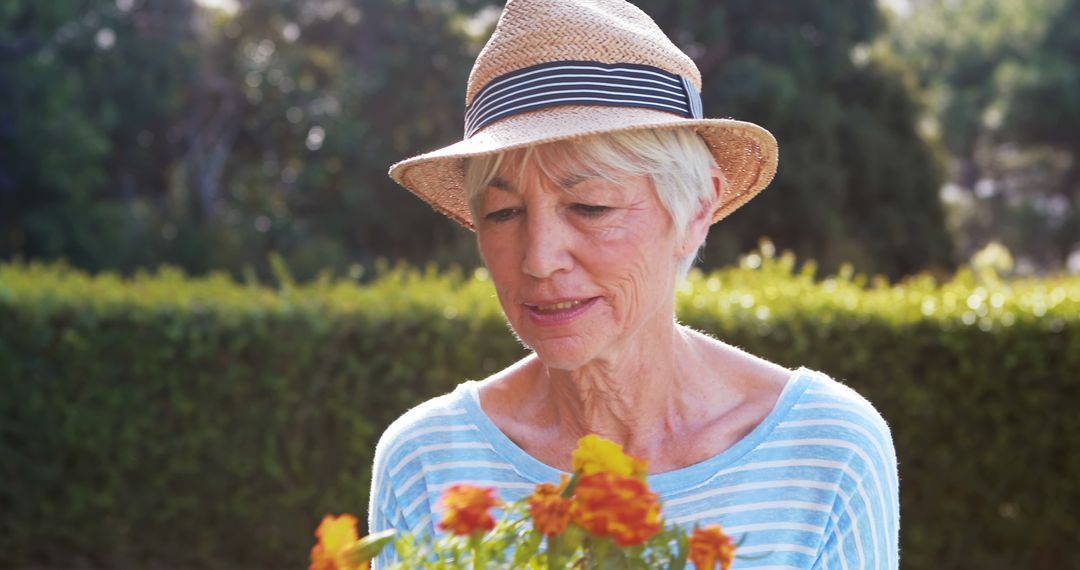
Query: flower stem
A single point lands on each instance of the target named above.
(600, 549)
(477, 552)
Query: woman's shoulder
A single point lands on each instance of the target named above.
(830, 414)
(425, 423)
(827, 397)
(846, 433)
(435, 410)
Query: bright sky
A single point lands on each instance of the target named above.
(901, 7)
(228, 6)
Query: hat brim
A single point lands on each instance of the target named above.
(745, 152)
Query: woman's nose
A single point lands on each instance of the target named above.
(547, 240)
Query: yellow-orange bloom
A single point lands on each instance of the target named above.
(468, 509)
(710, 546)
(549, 509)
(595, 454)
(617, 506)
(336, 536)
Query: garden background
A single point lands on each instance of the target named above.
(212, 298)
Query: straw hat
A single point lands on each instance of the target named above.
(564, 69)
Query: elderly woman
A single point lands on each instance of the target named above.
(591, 180)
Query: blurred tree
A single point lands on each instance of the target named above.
(1041, 107)
(87, 91)
(955, 48)
(997, 74)
(137, 132)
(330, 93)
(856, 182)
(146, 131)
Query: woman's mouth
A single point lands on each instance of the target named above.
(559, 313)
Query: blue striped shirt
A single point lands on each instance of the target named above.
(813, 486)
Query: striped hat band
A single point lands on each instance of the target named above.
(582, 83)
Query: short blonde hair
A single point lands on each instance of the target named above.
(676, 160)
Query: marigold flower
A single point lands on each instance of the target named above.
(549, 509)
(336, 536)
(710, 546)
(617, 506)
(595, 454)
(468, 509)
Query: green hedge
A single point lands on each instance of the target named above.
(163, 421)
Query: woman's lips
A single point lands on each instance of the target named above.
(559, 313)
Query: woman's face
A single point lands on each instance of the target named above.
(584, 267)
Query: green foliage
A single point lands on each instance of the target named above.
(84, 88)
(161, 421)
(1046, 93)
(1042, 102)
(175, 422)
(1003, 91)
(139, 133)
(206, 140)
(956, 47)
(856, 183)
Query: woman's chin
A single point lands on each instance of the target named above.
(566, 353)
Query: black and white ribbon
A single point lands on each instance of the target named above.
(582, 83)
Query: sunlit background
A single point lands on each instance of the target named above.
(208, 134)
(213, 299)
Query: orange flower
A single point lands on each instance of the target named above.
(595, 454)
(550, 510)
(467, 509)
(618, 506)
(336, 536)
(710, 546)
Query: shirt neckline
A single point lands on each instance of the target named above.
(665, 483)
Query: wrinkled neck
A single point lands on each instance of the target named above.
(637, 398)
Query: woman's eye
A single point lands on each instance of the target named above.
(502, 215)
(591, 210)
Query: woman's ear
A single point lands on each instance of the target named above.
(699, 225)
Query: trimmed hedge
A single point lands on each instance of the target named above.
(162, 421)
